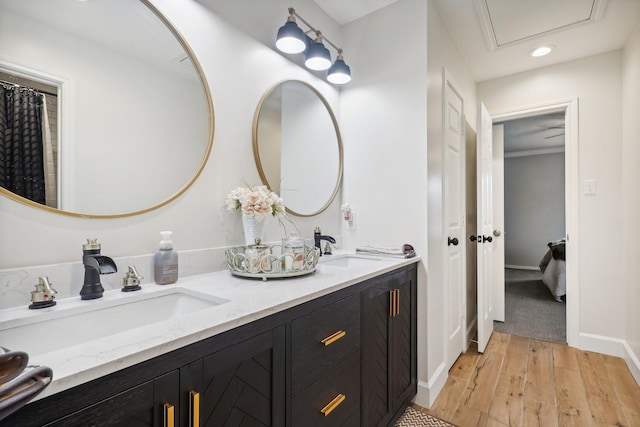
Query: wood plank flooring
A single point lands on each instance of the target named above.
(525, 382)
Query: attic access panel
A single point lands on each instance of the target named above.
(512, 21)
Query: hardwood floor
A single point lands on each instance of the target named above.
(525, 382)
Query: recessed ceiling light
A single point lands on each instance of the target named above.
(541, 51)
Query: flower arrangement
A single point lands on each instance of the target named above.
(257, 201)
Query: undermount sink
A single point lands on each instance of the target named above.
(346, 260)
(62, 327)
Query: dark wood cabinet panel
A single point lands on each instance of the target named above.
(132, 407)
(403, 346)
(244, 385)
(389, 365)
(376, 406)
(338, 325)
(340, 385)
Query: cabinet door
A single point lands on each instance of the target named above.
(191, 381)
(389, 368)
(244, 385)
(376, 402)
(403, 344)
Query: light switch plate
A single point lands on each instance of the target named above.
(589, 187)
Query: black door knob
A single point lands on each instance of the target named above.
(487, 239)
(473, 238)
(453, 241)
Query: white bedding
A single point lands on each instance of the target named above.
(554, 276)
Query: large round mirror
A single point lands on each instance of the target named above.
(110, 99)
(297, 147)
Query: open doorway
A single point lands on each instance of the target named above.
(534, 226)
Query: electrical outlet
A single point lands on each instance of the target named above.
(348, 216)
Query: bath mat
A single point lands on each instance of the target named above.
(414, 418)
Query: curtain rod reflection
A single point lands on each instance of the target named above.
(12, 85)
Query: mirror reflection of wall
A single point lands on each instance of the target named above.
(131, 100)
(298, 148)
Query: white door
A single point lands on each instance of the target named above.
(498, 222)
(454, 227)
(485, 228)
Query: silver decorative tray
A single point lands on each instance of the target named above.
(269, 262)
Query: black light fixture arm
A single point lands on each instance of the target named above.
(293, 12)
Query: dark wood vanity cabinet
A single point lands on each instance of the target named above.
(346, 359)
(389, 365)
(240, 381)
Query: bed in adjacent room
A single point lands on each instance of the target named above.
(554, 269)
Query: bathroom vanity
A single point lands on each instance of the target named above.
(336, 348)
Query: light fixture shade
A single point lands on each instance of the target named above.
(291, 38)
(318, 57)
(339, 73)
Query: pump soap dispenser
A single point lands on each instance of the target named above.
(165, 261)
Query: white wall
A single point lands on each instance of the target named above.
(384, 127)
(596, 81)
(534, 211)
(198, 218)
(442, 53)
(630, 193)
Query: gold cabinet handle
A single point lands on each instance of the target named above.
(392, 303)
(194, 409)
(333, 338)
(333, 404)
(169, 415)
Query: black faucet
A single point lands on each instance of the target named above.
(94, 265)
(318, 238)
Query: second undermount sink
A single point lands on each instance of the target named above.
(346, 260)
(62, 327)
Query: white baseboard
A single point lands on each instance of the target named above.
(613, 347)
(601, 344)
(428, 391)
(521, 267)
(632, 362)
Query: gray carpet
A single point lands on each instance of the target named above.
(530, 309)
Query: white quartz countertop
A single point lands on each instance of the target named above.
(241, 301)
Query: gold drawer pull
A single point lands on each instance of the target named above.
(333, 404)
(333, 338)
(194, 409)
(168, 415)
(394, 302)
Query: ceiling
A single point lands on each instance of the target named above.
(535, 135)
(344, 12)
(496, 38)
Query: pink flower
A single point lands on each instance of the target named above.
(255, 201)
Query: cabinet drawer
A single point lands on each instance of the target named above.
(340, 386)
(321, 339)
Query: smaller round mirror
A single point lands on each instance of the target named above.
(297, 147)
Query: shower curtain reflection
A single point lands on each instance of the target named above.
(22, 153)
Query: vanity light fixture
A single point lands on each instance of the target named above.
(291, 39)
(541, 51)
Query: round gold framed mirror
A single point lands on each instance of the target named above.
(297, 147)
(133, 124)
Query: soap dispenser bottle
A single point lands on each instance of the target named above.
(165, 261)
